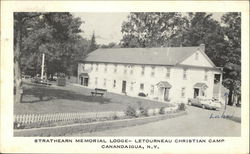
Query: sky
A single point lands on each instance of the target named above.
(107, 26)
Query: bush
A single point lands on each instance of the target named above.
(162, 110)
(182, 107)
(143, 111)
(130, 112)
(150, 112)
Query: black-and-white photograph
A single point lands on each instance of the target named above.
(127, 74)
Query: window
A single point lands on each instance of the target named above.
(96, 81)
(104, 82)
(196, 56)
(205, 77)
(168, 72)
(183, 91)
(105, 68)
(131, 70)
(141, 86)
(152, 89)
(185, 74)
(83, 67)
(91, 67)
(125, 69)
(115, 69)
(153, 71)
(132, 86)
(114, 84)
(142, 70)
(96, 69)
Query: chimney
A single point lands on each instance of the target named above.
(202, 47)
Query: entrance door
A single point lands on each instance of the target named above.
(86, 81)
(123, 86)
(166, 94)
(196, 92)
(81, 79)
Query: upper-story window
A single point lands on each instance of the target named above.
(91, 67)
(184, 73)
(168, 72)
(125, 69)
(115, 68)
(131, 69)
(83, 67)
(153, 71)
(196, 56)
(96, 69)
(142, 70)
(105, 67)
(141, 86)
(183, 89)
(205, 77)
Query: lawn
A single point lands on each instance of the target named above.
(54, 99)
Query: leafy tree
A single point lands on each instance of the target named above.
(110, 45)
(55, 34)
(93, 46)
(232, 59)
(150, 29)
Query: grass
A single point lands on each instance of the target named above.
(54, 99)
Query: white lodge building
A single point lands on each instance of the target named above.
(164, 74)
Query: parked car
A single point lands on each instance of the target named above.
(40, 81)
(205, 103)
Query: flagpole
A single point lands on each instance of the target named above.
(42, 66)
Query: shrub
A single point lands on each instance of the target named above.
(130, 112)
(150, 112)
(143, 111)
(182, 107)
(156, 111)
(162, 110)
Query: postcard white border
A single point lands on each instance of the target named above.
(26, 144)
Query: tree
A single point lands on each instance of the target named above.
(151, 29)
(19, 29)
(54, 34)
(110, 45)
(232, 68)
(203, 29)
(93, 46)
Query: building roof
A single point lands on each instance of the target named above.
(200, 85)
(153, 56)
(164, 84)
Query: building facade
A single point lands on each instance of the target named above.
(162, 74)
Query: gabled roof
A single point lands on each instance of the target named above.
(164, 84)
(153, 56)
(200, 85)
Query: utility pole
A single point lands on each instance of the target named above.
(42, 66)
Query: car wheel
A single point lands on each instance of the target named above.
(203, 106)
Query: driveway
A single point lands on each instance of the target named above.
(198, 122)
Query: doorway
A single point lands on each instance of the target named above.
(166, 94)
(86, 81)
(81, 80)
(196, 92)
(123, 86)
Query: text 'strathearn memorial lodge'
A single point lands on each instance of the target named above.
(164, 74)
